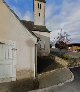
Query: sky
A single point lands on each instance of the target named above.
(63, 14)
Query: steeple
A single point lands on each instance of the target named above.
(39, 12)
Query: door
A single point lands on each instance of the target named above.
(7, 62)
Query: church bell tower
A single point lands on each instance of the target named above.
(39, 12)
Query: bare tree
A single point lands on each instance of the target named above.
(62, 41)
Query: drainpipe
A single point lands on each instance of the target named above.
(35, 74)
(36, 82)
(35, 61)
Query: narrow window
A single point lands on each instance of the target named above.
(40, 6)
(39, 14)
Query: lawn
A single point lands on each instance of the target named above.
(73, 58)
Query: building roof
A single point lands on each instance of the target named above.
(74, 44)
(18, 18)
(41, 1)
(30, 25)
(40, 28)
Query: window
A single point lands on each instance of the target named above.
(42, 45)
(40, 6)
(39, 14)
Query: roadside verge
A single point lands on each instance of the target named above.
(54, 78)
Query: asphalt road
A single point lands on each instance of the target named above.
(73, 86)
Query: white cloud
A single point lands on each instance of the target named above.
(49, 8)
(28, 16)
(68, 19)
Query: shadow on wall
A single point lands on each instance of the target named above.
(43, 63)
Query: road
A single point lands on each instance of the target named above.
(73, 86)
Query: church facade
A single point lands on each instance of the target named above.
(39, 29)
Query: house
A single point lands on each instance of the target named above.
(17, 47)
(39, 29)
(75, 47)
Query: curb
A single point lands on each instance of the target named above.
(53, 71)
(54, 86)
(60, 84)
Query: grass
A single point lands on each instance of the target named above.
(73, 58)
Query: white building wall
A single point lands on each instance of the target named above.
(12, 29)
(45, 41)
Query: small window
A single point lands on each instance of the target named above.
(40, 6)
(39, 14)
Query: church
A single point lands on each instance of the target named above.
(39, 29)
(21, 42)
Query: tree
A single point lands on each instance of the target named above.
(61, 45)
(62, 41)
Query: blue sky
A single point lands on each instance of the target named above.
(63, 14)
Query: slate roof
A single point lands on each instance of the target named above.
(41, 1)
(19, 19)
(30, 25)
(40, 28)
